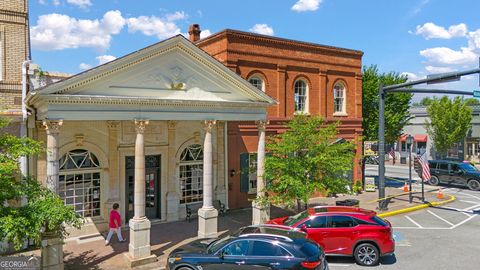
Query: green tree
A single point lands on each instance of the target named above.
(27, 209)
(397, 114)
(449, 122)
(306, 158)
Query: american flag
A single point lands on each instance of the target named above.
(392, 153)
(422, 159)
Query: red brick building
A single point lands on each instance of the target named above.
(302, 77)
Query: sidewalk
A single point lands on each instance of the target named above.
(91, 252)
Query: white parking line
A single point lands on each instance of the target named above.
(413, 221)
(439, 217)
(456, 225)
(471, 207)
(469, 202)
(339, 264)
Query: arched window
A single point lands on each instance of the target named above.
(300, 96)
(339, 98)
(257, 82)
(191, 174)
(79, 182)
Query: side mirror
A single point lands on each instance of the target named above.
(303, 228)
(221, 254)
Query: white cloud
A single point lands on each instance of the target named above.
(56, 2)
(205, 33)
(154, 26)
(84, 66)
(306, 5)
(80, 3)
(261, 28)
(102, 59)
(474, 40)
(418, 8)
(433, 69)
(441, 56)
(430, 30)
(58, 32)
(411, 76)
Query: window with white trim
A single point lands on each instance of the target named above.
(191, 174)
(79, 182)
(300, 96)
(257, 82)
(252, 173)
(339, 98)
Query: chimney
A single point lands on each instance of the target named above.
(194, 32)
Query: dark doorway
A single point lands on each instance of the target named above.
(152, 186)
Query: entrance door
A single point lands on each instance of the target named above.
(152, 186)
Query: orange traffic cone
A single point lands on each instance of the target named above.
(405, 187)
(440, 194)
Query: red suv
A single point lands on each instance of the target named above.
(343, 230)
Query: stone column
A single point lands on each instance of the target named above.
(113, 162)
(52, 245)
(173, 199)
(52, 127)
(261, 213)
(207, 215)
(139, 247)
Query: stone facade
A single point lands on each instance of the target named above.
(14, 49)
(280, 63)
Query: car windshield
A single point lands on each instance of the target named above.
(468, 167)
(217, 244)
(291, 220)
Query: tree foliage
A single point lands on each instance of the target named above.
(397, 105)
(426, 101)
(449, 122)
(304, 159)
(27, 209)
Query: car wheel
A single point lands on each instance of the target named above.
(366, 254)
(434, 181)
(473, 184)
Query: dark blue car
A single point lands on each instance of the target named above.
(251, 248)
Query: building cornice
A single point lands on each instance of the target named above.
(269, 40)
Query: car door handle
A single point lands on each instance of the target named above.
(240, 262)
(275, 264)
(356, 232)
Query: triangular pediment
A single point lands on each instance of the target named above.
(174, 69)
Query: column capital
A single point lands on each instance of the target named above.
(140, 125)
(113, 124)
(209, 124)
(172, 124)
(322, 73)
(52, 126)
(262, 124)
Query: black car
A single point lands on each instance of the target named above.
(253, 247)
(454, 172)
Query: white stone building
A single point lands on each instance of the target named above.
(147, 131)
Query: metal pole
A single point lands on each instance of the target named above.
(381, 147)
(410, 198)
(423, 190)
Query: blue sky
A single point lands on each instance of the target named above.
(418, 37)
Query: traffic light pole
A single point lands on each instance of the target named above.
(402, 87)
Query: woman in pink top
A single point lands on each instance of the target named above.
(115, 225)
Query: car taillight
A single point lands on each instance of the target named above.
(311, 265)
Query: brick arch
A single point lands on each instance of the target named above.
(304, 78)
(258, 72)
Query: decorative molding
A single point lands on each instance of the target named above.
(172, 124)
(140, 125)
(208, 125)
(52, 126)
(79, 139)
(196, 137)
(113, 125)
(262, 125)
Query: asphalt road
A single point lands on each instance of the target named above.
(446, 237)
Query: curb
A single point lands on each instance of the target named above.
(415, 208)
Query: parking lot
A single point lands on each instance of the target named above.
(425, 239)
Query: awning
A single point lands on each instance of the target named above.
(416, 138)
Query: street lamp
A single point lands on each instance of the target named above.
(409, 144)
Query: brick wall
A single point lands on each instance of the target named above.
(14, 46)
